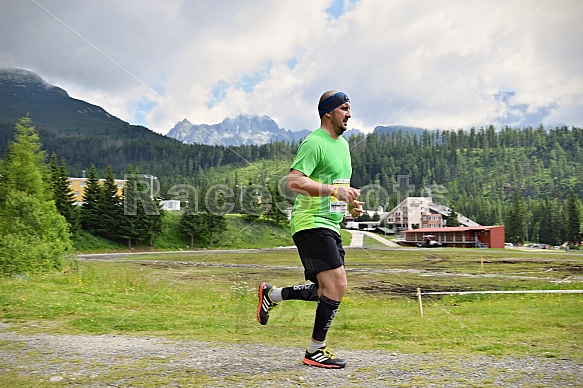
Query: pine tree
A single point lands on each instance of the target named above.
(452, 220)
(90, 209)
(251, 206)
(142, 217)
(276, 213)
(153, 223)
(548, 220)
(34, 236)
(63, 194)
(110, 207)
(573, 215)
(214, 215)
(130, 228)
(515, 219)
(192, 224)
(216, 224)
(24, 168)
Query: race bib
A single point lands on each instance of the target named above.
(336, 205)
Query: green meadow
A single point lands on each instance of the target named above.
(211, 296)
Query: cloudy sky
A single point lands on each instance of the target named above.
(444, 64)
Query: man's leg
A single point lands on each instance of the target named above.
(333, 285)
(270, 296)
(307, 292)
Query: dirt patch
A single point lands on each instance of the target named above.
(408, 290)
(436, 258)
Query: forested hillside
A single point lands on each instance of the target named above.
(84, 134)
(527, 177)
(520, 177)
(484, 171)
(530, 179)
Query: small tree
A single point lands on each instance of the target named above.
(452, 220)
(214, 215)
(251, 206)
(276, 214)
(514, 222)
(132, 226)
(24, 168)
(192, 224)
(34, 237)
(64, 197)
(573, 215)
(549, 220)
(90, 209)
(153, 223)
(142, 215)
(216, 224)
(110, 207)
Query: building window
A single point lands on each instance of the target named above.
(82, 184)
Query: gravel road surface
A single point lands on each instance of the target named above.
(125, 361)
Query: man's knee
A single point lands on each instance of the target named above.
(333, 283)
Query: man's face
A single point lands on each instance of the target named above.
(339, 118)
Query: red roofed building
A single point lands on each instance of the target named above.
(460, 236)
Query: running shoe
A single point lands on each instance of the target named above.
(323, 358)
(265, 304)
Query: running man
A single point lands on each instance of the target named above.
(320, 175)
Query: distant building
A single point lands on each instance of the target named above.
(407, 214)
(77, 185)
(432, 221)
(421, 212)
(460, 236)
(351, 223)
(171, 204)
(445, 212)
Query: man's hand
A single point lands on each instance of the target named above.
(355, 208)
(347, 194)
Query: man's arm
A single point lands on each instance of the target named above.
(301, 184)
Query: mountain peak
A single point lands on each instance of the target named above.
(24, 78)
(240, 130)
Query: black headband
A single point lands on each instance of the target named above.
(332, 102)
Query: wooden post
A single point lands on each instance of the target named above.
(420, 301)
(482, 262)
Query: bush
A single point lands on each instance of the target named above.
(34, 238)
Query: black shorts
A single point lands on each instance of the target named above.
(320, 250)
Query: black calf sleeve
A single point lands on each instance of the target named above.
(325, 313)
(307, 292)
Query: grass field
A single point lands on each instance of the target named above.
(211, 295)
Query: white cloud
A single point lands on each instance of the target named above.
(435, 64)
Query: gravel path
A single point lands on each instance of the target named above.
(124, 361)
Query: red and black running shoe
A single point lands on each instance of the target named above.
(323, 358)
(265, 304)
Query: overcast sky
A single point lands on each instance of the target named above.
(439, 64)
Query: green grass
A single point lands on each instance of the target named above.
(241, 234)
(165, 298)
(86, 242)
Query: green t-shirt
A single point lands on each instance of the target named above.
(324, 160)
